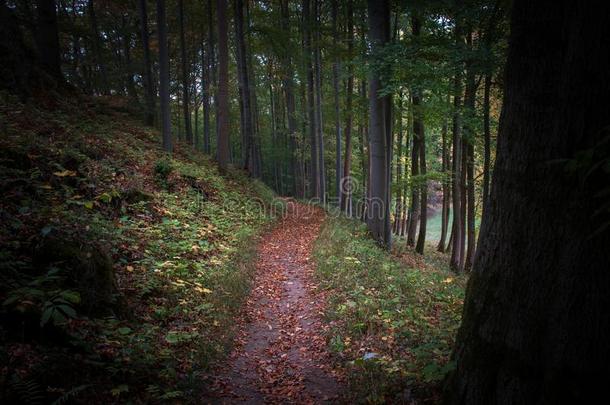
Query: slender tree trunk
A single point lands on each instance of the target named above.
(337, 115)
(244, 89)
(288, 84)
(346, 192)
(457, 246)
(315, 186)
(446, 192)
(379, 34)
(418, 132)
(97, 50)
(47, 37)
(318, 103)
(212, 60)
(536, 323)
(399, 201)
(415, 188)
(129, 74)
(405, 189)
(164, 77)
(149, 95)
(223, 85)
(486, 139)
(205, 95)
(254, 151)
(469, 103)
(185, 77)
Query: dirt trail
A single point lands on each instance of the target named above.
(281, 355)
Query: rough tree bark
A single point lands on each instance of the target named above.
(536, 323)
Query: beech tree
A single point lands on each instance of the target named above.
(164, 77)
(47, 37)
(535, 315)
(378, 220)
(149, 112)
(223, 85)
(185, 77)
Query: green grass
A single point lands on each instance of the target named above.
(393, 327)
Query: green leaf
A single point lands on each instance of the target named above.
(46, 316)
(116, 391)
(72, 297)
(124, 330)
(172, 338)
(105, 197)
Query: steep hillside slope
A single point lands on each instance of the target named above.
(121, 268)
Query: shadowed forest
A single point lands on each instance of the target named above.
(304, 201)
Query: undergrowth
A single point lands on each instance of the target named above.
(121, 267)
(393, 326)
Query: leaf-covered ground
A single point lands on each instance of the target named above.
(281, 354)
(394, 315)
(121, 268)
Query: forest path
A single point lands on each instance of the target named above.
(280, 354)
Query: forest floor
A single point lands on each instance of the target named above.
(281, 353)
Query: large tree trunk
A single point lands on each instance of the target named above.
(185, 77)
(223, 85)
(379, 34)
(149, 95)
(164, 77)
(536, 324)
(47, 37)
